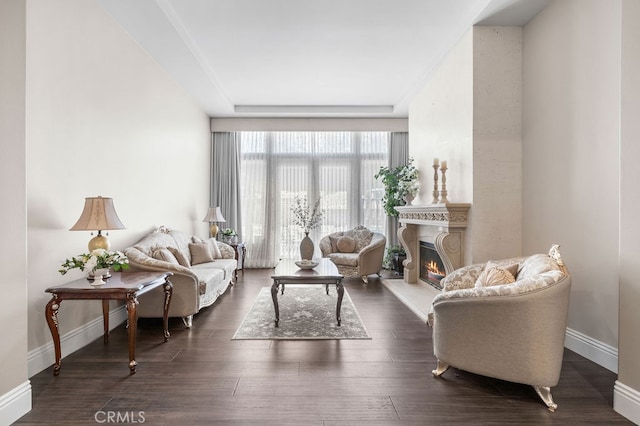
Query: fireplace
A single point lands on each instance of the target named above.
(433, 238)
(432, 269)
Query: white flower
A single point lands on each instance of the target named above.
(97, 259)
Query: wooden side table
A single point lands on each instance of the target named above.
(121, 286)
(241, 253)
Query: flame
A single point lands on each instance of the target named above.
(433, 267)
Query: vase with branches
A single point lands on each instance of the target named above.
(307, 218)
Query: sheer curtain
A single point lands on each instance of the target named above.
(338, 167)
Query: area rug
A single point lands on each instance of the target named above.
(306, 312)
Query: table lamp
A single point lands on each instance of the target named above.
(98, 215)
(213, 215)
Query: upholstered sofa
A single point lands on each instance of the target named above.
(202, 271)
(489, 321)
(356, 253)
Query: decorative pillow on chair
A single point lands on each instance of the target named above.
(334, 243)
(346, 244)
(200, 253)
(182, 259)
(163, 253)
(361, 235)
(494, 274)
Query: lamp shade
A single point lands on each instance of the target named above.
(98, 215)
(214, 215)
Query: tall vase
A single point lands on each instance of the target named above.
(306, 247)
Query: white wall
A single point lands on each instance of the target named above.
(497, 143)
(441, 126)
(15, 392)
(571, 152)
(629, 337)
(102, 119)
(469, 114)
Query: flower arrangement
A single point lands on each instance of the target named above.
(97, 259)
(305, 217)
(408, 179)
(398, 182)
(228, 232)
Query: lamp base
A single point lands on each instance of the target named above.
(99, 241)
(213, 230)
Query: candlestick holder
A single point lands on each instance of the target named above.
(443, 191)
(435, 184)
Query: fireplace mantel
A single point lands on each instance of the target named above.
(447, 215)
(440, 224)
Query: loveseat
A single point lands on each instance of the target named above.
(357, 252)
(202, 271)
(505, 319)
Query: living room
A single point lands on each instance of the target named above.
(86, 112)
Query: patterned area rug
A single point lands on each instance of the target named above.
(306, 312)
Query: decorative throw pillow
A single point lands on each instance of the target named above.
(334, 243)
(163, 253)
(215, 250)
(346, 244)
(200, 253)
(494, 274)
(182, 259)
(361, 235)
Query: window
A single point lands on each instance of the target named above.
(338, 167)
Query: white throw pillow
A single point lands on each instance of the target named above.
(215, 250)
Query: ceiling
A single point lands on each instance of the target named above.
(307, 58)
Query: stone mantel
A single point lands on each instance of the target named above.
(441, 224)
(445, 215)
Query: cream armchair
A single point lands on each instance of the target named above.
(357, 252)
(511, 331)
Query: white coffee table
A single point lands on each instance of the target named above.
(288, 273)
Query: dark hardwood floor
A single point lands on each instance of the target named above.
(203, 377)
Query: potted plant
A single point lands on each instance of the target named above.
(394, 258)
(398, 182)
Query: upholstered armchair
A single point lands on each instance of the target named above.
(357, 252)
(505, 319)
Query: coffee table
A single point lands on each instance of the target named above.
(121, 286)
(288, 273)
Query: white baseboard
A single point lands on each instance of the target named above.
(15, 403)
(43, 357)
(592, 349)
(626, 401)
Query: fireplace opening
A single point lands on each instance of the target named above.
(432, 270)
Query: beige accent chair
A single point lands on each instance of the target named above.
(356, 253)
(514, 331)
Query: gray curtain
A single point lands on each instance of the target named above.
(225, 179)
(398, 156)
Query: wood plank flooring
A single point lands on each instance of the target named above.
(203, 377)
